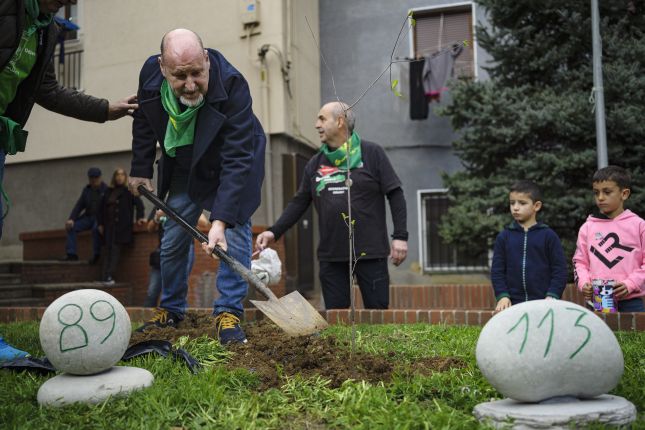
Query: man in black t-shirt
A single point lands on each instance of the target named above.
(324, 183)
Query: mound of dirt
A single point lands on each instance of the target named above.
(271, 354)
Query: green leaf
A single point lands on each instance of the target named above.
(413, 22)
(395, 83)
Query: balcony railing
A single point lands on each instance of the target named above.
(68, 68)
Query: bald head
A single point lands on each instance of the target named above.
(180, 40)
(185, 64)
(341, 109)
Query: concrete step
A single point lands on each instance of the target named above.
(48, 292)
(15, 291)
(10, 278)
(11, 267)
(22, 301)
(53, 271)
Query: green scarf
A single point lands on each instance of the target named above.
(338, 157)
(181, 125)
(38, 20)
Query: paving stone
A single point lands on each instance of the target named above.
(562, 415)
(65, 389)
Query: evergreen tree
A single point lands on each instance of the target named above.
(533, 119)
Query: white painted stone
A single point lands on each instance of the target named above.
(65, 389)
(548, 348)
(605, 409)
(85, 332)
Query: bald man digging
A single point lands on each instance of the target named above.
(197, 106)
(324, 184)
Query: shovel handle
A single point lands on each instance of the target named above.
(218, 252)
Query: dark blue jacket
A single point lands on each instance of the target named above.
(83, 202)
(528, 265)
(227, 167)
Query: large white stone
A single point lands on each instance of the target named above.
(546, 348)
(85, 332)
(118, 381)
(605, 409)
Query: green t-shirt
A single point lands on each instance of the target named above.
(19, 66)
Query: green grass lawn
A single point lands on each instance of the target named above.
(218, 398)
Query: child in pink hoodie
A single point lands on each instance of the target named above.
(611, 244)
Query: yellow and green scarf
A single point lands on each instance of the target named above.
(338, 157)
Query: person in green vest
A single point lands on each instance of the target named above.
(27, 43)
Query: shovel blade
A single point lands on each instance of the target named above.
(293, 314)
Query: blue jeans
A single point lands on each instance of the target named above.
(175, 245)
(154, 281)
(82, 224)
(632, 305)
(2, 158)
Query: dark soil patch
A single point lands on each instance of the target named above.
(271, 354)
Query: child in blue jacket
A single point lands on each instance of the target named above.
(528, 260)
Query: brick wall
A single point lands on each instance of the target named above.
(619, 321)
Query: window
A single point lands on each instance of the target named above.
(436, 254)
(442, 27)
(69, 55)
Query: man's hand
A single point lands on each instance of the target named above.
(215, 237)
(398, 251)
(134, 183)
(620, 290)
(264, 239)
(101, 230)
(587, 291)
(69, 224)
(142, 221)
(122, 107)
(503, 303)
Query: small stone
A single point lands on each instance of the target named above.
(85, 332)
(605, 409)
(548, 348)
(65, 389)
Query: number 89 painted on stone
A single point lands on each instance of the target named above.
(546, 348)
(85, 332)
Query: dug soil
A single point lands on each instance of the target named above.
(272, 355)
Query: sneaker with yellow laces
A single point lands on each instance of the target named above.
(162, 318)
(228, 328)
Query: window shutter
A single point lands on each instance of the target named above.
(430, 37)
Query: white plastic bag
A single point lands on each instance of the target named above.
(267, 267)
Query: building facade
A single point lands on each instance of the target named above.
(266, 40)
(357, 39)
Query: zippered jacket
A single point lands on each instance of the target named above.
(41, 85)
(612, 249)
(528, 265)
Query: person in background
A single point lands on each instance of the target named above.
(83, 216)
(611, 244)
(115, 218)
(28, 38)
(323, 183)
(528, 259)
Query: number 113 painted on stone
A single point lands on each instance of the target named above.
(550, 317)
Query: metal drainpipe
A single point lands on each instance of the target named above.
(268, 156)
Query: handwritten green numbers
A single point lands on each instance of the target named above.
(73, 335)
(548, 320)
(98, 312)
(69, 316)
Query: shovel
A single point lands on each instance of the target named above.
(292, 313)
